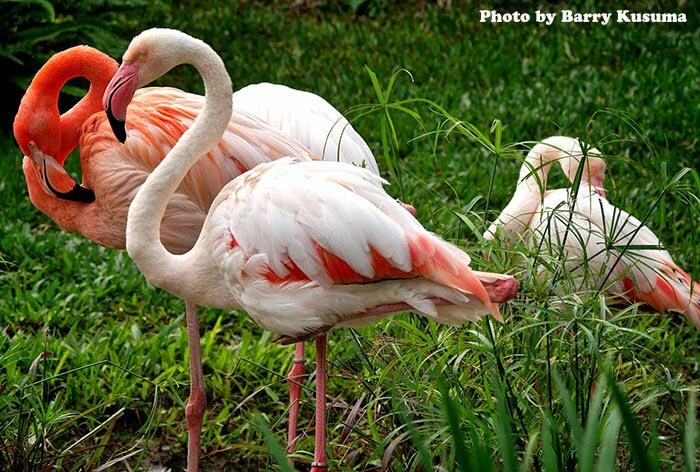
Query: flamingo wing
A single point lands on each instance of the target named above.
(310, 119)
(331, 224)
(618, 248)
(156, 120)
(649, 273)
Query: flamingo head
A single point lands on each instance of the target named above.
(35, 128)
(53, 178)
(118, 95)
(150, 55)
(39, 146)
(596, 174)
(593, 174)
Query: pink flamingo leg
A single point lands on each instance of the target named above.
(197, 402)
(319, 464)
(294, 379)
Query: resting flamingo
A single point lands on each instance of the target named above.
(113, 172)
(621, 255)
(301, 246)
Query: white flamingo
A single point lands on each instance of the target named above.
(304, 116)
(301, 246)
(157, 117)
(601, 242)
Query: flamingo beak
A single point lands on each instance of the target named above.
(47, 168)
(118, 95)
(597, 185)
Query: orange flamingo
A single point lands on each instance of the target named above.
(113, 172)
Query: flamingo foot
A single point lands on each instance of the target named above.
(294, 379)
(501, 290)
(410, 208)
(320, 463)
(197, 402)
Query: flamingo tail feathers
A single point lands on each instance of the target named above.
(441, 262)
(673, 291)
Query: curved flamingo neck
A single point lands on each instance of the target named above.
(534, 171)
(562, 149)
(162, 268)
(532, 184)
(43, 93)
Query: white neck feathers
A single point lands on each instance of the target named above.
(161, 268)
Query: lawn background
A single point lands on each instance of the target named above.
(632, 90)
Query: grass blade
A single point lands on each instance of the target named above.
(637, 447)
(608, 445)
(549, 455)
(690, 435)
(276, 450)
(504, 430)
(451, 411)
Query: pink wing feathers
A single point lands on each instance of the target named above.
(156, 120)
(334, 224)
(159, 116)
(668, 288)
(648, 272)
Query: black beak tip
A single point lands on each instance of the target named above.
(81, 194)
(118, 126)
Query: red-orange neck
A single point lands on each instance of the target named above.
(43, 93)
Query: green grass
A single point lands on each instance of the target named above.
(569, 382)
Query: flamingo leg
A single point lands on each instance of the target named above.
(294, 379)
(197, 402)
(319, 464)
